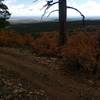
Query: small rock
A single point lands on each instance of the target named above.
(91, 82)
(20, 85)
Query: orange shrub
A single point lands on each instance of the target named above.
(6, 37)
(83, 52)
(46, 44)
(10, 38)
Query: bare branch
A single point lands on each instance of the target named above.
(35, 0)
(48, 5)
(76, 10)
(45, 11)
(52, 12)
(83, 17)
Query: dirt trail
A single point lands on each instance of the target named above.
(43, 76)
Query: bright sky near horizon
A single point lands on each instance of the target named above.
(28, 8)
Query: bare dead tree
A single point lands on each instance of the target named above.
(62, 22)
(62, 16)
(47, 8)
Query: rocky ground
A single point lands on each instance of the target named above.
(24, 76)
(14, 88)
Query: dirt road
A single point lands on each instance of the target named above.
(45, 74)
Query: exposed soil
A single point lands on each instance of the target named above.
(41, 78)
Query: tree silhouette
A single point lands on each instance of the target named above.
(62, 21)
(62, 17)
(4, 14)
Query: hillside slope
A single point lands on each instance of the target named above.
(45, 74)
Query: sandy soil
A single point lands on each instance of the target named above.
(47, 74)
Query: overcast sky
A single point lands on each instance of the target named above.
(28, 8)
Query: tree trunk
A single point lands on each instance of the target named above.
(62, 22)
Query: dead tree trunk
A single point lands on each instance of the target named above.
(62, 22)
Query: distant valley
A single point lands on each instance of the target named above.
(37, 19)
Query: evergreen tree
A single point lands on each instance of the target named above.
(4, 14)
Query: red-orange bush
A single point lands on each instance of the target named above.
(47, 44)
(6, 37)
(83, 52)
(10, 38)
(23, 40)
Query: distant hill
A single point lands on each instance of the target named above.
(36, 19)
(35, 25)
(23, 20)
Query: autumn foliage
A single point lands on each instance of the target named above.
(81, 52)
(11, 38)
(47, 44)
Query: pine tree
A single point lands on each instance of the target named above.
(4, 13)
